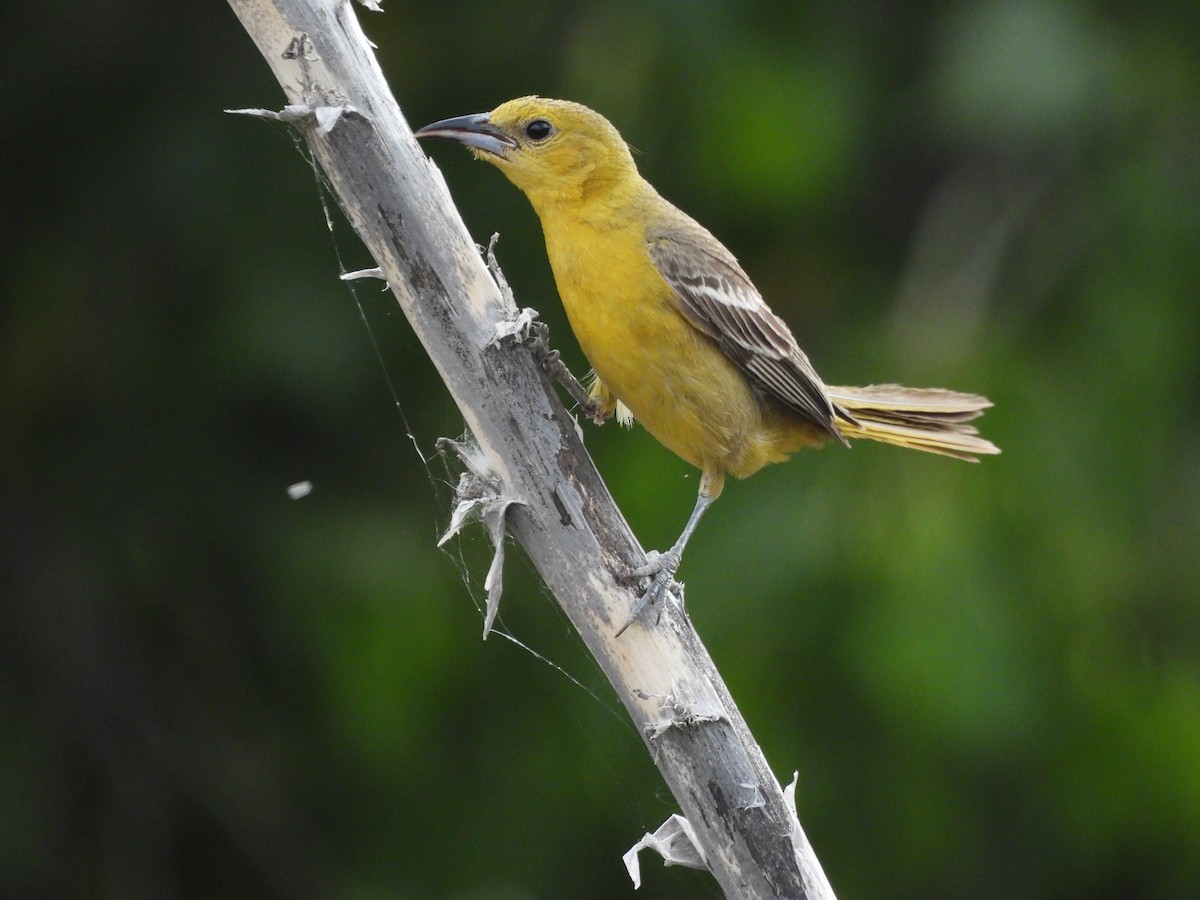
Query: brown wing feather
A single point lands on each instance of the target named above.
(719, 299)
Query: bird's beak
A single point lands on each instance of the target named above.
(474, 131)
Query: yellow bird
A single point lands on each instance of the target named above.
(674, 329)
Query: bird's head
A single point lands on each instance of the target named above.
(553, 150)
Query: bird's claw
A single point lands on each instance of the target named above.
(660, 568)
(537, 337)
(659, 564)
(551, 362)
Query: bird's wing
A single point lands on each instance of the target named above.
(718, 299)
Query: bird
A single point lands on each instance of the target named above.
(675, 331)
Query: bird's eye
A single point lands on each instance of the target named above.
(538, 130)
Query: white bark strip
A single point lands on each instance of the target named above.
(557, 506)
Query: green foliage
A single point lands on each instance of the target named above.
(988, 677)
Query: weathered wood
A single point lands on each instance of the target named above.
(530, 463)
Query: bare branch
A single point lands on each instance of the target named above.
(536, 477)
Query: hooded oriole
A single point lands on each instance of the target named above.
(672, 326)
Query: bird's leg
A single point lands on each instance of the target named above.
(551, 362)
(663, 566)
(534, 333)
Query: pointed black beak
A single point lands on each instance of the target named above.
(474, 131)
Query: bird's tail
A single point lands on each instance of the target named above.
(930, 419)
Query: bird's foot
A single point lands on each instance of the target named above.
(552, 364)
(660, 568)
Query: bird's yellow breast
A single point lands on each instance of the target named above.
(675, 380)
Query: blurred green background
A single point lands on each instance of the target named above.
(988, 677)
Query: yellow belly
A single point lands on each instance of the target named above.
(674, 379)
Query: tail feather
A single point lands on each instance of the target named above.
(930, 419)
